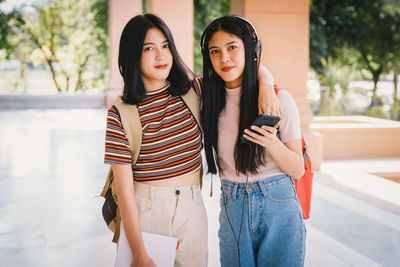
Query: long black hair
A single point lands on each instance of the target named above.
(130, 53)
(214, 97)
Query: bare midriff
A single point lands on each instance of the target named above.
(187, 179)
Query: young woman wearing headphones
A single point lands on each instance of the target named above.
(261, 222)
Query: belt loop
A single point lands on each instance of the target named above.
(191, 188)
(260, 183)
(234, 191)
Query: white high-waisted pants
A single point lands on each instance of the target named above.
(178, 212)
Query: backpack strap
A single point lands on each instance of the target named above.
(198, 86)
(130, 121)
(306, 156)
(192, 100)
(276, 89)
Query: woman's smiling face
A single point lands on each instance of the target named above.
(227, 57)
(156, 60)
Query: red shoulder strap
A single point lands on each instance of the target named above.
(276, 89)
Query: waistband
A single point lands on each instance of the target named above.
(166, 192)
(258, 186)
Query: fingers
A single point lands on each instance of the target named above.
(253, 140)
(265, 109)
(264, 130)
(265, 136)
(277, 111)
(270, 110)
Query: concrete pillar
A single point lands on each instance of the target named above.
(120, 12)
(178, 15)
(283, 27)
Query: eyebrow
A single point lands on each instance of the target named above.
(165, 41)
(233, 42)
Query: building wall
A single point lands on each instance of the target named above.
(283, 28)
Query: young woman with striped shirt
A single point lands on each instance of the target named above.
(160, 193)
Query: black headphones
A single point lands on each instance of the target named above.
(251, 30)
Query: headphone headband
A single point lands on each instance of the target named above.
(253, 34)
(251, 28)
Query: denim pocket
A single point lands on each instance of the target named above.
(282, 192)
(225, 199)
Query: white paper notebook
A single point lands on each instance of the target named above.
(161, 248)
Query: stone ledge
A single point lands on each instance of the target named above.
(346, 137)
(59, 101)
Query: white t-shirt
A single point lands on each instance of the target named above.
(228, 126)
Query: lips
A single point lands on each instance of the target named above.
(161, 67)
(227, 68)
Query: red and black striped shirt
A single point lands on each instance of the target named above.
(171, 142)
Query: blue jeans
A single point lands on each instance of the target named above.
(273, 231)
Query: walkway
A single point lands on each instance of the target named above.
(51, 170)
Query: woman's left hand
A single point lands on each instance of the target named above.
(268, 101)
(266, 137)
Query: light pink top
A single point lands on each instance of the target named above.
(228, 126)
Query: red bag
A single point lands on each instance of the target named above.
(304, 184)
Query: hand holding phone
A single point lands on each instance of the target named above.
(261, 120)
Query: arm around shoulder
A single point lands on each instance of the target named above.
(268, 102)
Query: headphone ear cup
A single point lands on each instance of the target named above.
(202, 40)
(253, 35)
(257, 49)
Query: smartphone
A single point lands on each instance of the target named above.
(261, 120)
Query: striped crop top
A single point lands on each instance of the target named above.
(171, 141)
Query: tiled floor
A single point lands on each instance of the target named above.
(51, 170)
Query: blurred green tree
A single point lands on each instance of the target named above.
(205, 12)
(365, 26)
(5, 29)
(392, 7)
(69, 37)
(335, 76)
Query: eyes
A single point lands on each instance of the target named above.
(148, 48)
(215, 51)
